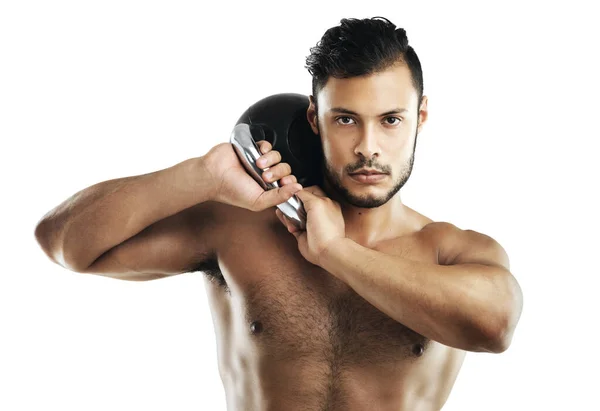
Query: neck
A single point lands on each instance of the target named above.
(368, 226)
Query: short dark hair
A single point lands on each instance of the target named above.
(361, 46)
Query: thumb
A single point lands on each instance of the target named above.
(276, 196)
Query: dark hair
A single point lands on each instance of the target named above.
(361, 46)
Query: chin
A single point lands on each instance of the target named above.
(365, 195)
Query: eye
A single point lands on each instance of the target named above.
(393, 121)
(344, 120)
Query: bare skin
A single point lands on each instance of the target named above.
(292, 335)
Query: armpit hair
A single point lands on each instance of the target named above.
(208, 264)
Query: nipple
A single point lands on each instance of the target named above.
(256, 327)
(418, 349)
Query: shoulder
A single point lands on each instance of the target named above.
(460, 246)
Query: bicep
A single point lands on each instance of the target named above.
(168, 247)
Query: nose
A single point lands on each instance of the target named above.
(367, 145)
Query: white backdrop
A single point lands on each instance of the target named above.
(91, 91)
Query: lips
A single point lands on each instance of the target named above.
(367, 173)
(367, 176)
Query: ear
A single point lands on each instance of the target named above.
(423, 112)
(311, 115)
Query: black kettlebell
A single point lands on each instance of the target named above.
(281, 120)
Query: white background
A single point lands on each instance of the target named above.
(91, 91)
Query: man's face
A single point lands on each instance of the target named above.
(369, 122)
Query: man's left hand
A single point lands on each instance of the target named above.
(324, 223)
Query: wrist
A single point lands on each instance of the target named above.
(204, 178)
(332, 251)
(193, 177)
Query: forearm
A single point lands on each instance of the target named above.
(101, 216)
(465, 306)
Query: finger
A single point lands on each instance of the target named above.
(281, 218)
(316, 190)
(309, 200)
(288, 224)
(306, 195)
(264, 146)
(277, 172)
(276, 196)
(294, 230)
(267, 160)
(291, 179)
(279, 215)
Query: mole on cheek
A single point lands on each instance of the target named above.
(256, 327)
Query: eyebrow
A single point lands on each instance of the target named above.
(387, 113)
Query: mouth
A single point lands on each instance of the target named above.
(368, 171)
(368, 176)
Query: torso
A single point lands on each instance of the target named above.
(291, 336)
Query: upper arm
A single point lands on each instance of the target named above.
(168, 247)
(457, 246)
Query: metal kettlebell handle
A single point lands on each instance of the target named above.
(248, 152)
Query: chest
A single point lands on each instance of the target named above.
(298, 314)
(291, 308)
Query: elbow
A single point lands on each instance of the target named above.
(498, 343)
(41, 234)
(47, 238)
(499, 328)
(495, 336)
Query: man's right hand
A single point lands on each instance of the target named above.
(234, 186)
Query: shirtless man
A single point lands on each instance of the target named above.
(373, 307)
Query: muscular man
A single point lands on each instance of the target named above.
(372, 307)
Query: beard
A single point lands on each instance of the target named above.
(368, 201)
